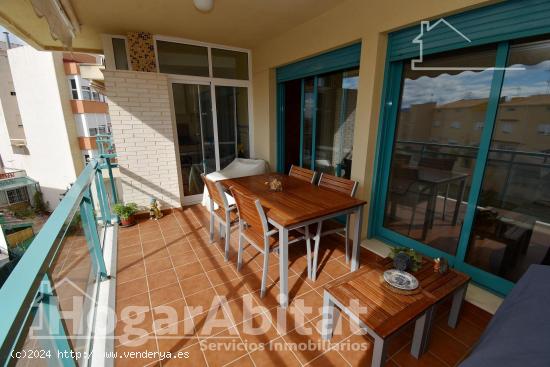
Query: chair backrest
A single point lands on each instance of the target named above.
(215, 192)
(303, 174)
(444, 164)
(339, 184)
(250, 211)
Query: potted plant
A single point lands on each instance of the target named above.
(126, 213)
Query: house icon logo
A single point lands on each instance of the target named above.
(422, 40)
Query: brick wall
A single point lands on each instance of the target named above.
(139, 106)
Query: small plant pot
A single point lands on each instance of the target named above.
(128, 222)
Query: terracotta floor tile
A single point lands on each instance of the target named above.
(310, 303)
(275, 355)
(165, 295)
(147, 343)
(138, 303)
(232, 289)
(212, 262)
(161, 279)
(129, 250)
(448, 349)
(222, 274)
(129, 260)
(203, 299)
(131, 288)
(189, 270)
(133, 328)
(195, 358)
(185, 232)
(303, 335)
(155, 253)
(244, 361)
(195, 284)
(222, 349)
(183, 258)
(170, 313)
(330, 358)
(153, 266)
(356, 350)
(405, 359)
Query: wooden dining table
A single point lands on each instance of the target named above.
(299, 204)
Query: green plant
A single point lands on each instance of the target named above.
(23, 213)
(416, 258)
(124, 211)
(38, 201)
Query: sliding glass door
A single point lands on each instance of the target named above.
(319, 118)
(209, 138)
(465, 160)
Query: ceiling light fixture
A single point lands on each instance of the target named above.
(204, 5)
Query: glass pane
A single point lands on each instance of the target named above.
(75, 280)
(229, 64)
(441, 116)
(232, 112)
(336, 102)
(193, 110)
(309, 110)
(119, 52)
(37, 349)
(178, 58)
(512, 224)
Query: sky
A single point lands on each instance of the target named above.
(445, 88)
(13, 37)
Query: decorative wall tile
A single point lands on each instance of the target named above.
(141, 48)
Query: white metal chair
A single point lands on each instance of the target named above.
(225, 214)
(254, 229)
(330, 226)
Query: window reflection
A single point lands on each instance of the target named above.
(439, 127)
(512, 223)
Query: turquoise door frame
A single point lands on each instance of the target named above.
(340, 59)
(386, 137)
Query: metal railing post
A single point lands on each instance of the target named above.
(112, 180)
(53, 326)
(102, 196)
(92, 236)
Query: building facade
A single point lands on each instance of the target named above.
(52, 117)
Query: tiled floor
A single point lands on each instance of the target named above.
(166, 265)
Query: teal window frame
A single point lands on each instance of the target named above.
(491, 24)
(340, 59)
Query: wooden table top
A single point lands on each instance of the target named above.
(299, 201)
(388, 311)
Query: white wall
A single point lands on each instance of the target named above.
(43, 96)
(10, 120)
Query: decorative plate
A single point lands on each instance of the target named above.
(400, 279)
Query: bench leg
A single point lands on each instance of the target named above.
(422, 330)
(458, 299)
(330, 315)
(379, 352)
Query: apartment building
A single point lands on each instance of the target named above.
(51, 115)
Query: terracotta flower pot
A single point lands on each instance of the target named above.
(127, 222)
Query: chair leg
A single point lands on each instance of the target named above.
(264, 273)
(346, 240)
(240, 251)
(220, 229)
(211, 224)
(412, 219)
(316, 251)
(308, 248)
(227, 235)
